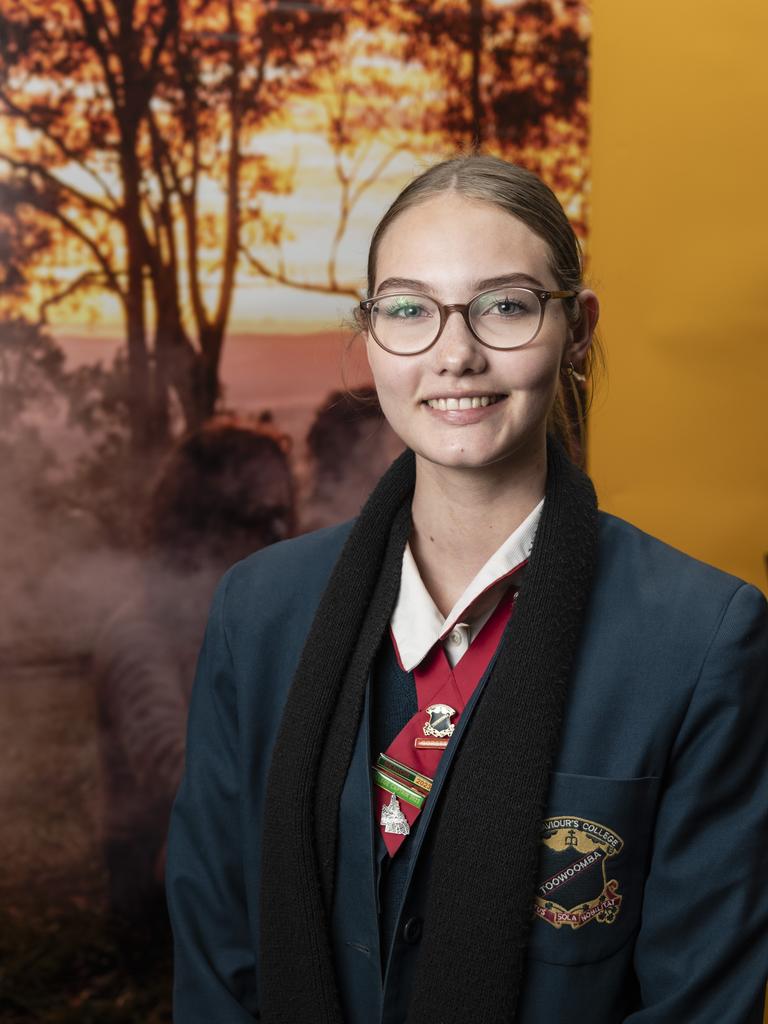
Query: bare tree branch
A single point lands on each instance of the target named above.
(282, 277)
(188, 196)
(232, 230)
(371, 179)
(164, 217)
(91, 25)
(66, 151)
(350, 196)
(84, 280)
(171, 19)
(109, 272)
(57, 183)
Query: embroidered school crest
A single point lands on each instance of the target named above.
(574, 887)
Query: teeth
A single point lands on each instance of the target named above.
(478, 402)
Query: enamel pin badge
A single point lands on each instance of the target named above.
(393, 820)
(439, 723)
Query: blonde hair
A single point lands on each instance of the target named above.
(521, 193)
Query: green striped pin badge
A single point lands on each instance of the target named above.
(404, 772)
(402, 790)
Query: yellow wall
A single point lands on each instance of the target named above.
(679, 256)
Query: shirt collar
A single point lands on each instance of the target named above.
(417, 623)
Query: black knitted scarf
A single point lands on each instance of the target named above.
(488, 819)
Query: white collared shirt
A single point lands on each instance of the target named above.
(417, 622)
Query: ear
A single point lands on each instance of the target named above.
(580, 334)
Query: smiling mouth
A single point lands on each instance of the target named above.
(476, 402)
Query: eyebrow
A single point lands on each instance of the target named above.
(513, 277)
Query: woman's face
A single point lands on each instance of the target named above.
(447, 247)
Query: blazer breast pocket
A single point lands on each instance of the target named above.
(595, 850)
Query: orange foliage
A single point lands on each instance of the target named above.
(132, 152)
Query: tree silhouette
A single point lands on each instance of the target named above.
(133, 160)
(515, 80)
(122, 115)
(363, 107)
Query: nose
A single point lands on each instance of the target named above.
(457, 351)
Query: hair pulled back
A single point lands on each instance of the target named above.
(523, 194)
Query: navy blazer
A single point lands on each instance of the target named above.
(653, 906)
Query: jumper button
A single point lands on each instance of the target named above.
(412, 930)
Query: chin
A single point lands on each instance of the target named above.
(468, 457)
(514, 452)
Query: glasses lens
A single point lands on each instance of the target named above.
(405, 323)
(505, 317)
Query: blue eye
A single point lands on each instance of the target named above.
(399, 308)
(404, 309)
(505, 306)
(510, 306)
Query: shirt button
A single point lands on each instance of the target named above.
(456, 637)
(412, 930)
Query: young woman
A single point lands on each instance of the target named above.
(484, 754)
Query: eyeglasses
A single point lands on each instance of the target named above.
(408, 323)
